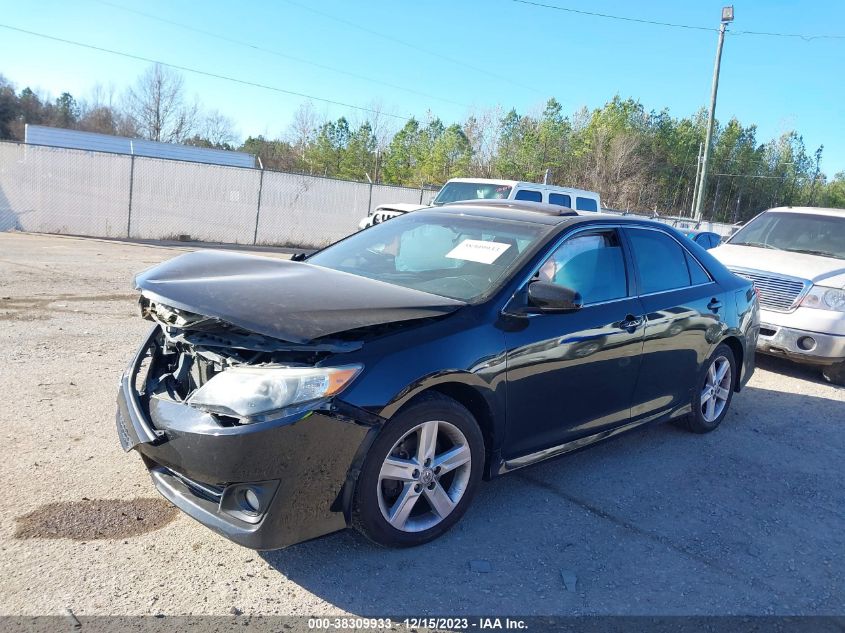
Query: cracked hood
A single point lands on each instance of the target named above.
(291, 301)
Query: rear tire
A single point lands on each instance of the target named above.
(713, 392)
(420, 474)
(835, 374)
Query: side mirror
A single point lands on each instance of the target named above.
(549, 297)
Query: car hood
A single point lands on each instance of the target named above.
(291, 301)
(826, 271)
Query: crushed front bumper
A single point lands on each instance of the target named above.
(801, 345)
(301, 467)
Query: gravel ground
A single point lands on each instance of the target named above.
(746, 520)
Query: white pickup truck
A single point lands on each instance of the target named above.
(796, 258)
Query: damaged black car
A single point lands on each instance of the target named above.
(377, 382)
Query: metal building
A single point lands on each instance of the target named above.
(74, 139)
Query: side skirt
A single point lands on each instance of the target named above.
(507, 466)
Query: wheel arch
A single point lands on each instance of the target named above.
(469, 391)
(739, 356)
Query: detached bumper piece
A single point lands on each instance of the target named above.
(800, 345)
(265, 485)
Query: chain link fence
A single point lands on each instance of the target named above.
(76, 192)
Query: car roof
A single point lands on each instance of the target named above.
(809, 210)
(523, 211)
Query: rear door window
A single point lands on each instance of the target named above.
(561, 199)
(660, 261)
(529, 195)
(586, 204)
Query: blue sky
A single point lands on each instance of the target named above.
(436, 47)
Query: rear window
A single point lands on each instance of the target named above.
(586, 204)
(529, 194)
(561, 199)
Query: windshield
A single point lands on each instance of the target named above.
(457, 191)
(452, 256)
(796, 232)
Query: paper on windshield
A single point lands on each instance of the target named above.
(478, 251)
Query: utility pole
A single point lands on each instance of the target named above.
(727, 16)
(697, 179)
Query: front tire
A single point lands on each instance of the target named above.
(835, 374)
(714, 391)
(420, 474)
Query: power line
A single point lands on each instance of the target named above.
(407, 44)
(673, 24)
(202, 72)
(277, 53)
(804, 37)
(614, 17)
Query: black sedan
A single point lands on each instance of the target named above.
(378, 382)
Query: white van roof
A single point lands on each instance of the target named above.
(524, 184)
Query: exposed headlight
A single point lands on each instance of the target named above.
(825, 298)
(245, 392)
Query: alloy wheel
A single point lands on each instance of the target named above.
(424, 476)
(717, 389)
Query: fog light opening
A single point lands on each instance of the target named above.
(250, 502)
(807, 343)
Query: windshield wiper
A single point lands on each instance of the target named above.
(808, 251)
(758, 245)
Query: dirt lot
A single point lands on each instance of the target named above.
(746, 520)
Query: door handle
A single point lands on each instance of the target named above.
(714, 305)
(631, 322)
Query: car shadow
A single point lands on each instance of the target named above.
(789, 368)
(660, 522)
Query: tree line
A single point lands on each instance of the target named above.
(638, 160)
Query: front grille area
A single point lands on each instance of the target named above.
(776, 292)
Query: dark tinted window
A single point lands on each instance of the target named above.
(586, 204)
(660, 260)
(560, 198)
(592, 264)
(696, 272)
(527, 194)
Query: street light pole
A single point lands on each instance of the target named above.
(727, 16)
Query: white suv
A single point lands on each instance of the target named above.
(796, 258)
(459, 189)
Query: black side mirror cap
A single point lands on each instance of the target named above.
(548, 297)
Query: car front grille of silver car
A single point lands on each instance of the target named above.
(777, 292)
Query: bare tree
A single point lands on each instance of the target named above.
(219, 130)
(158, 108)
(303, 128)
(483, 130)
(99, 113)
